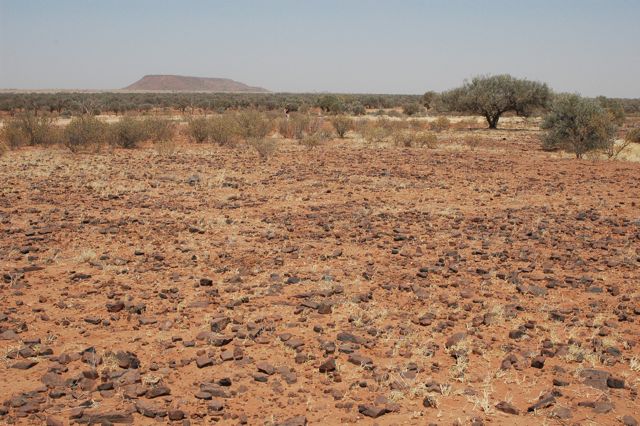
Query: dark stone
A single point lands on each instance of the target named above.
(615, 383)
(537, 362)
(158, 391)
(328, 366)
(505, 407)
(372, 411)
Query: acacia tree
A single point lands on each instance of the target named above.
(578, 125)
(492, 96)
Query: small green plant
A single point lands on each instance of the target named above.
(342, 125)
(85, 132)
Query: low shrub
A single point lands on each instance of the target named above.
(316, 139)
(198, 129)
(30, 129)
(224, 130)
(128, 133)
(265, 147)
(471, 142)
(633, 135)
(403, 139)
(159, 129)
(296, 127)
(3, 149)
(253, 124)
(426, 140)
(13, 134)
(342, 125)
(411, 109)
(85, 132)
(440, 124)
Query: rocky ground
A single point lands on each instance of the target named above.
(342, 285)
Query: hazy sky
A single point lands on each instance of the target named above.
(392, 46)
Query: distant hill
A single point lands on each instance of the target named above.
(180, 83)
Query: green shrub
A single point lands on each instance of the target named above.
(492, 96)
(578, 125)
(198, 129)
(85, 132)
(223, 130)
(128, 133)
(342, 125)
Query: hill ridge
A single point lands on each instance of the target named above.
(182, 83)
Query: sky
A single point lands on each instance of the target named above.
(348, 46)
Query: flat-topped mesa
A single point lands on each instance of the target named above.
(179, 83)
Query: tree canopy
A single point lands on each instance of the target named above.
(492, 96)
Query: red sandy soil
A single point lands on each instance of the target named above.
(341, 285)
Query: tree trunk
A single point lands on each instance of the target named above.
(493, 121)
